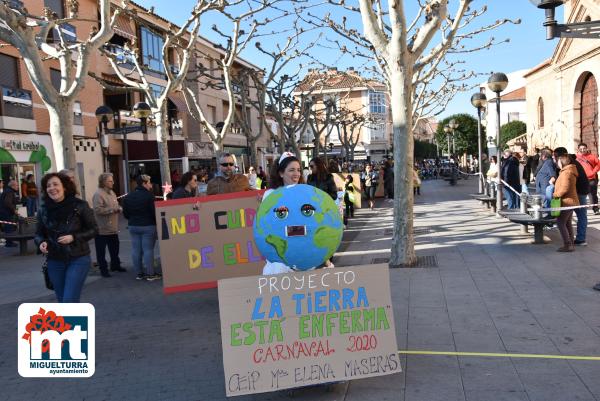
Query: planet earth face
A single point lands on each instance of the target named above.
(298, 225)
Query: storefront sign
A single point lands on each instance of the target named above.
(10, 144)
(206, 239)
(294, 330)
(200, 150)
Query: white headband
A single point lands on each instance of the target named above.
(285, 155)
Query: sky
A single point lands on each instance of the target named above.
(526, 49)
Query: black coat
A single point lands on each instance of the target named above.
(510, 172)
(8, 203)
(327, 186)
(81, 224)
(138, 208)
(582, 183)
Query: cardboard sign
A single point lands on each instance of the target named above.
(294, 330)
(340, 182)
(199, 247)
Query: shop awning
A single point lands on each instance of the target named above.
(179, 101)
(123, 27)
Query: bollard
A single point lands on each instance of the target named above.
(523, 204)
(536, 203)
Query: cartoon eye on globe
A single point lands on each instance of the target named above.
(299, 226)
(307, 210)
(281, 212)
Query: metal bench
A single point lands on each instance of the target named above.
(25, 232)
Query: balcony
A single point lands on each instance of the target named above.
(69, 33)
(122, 56)
(16, 102)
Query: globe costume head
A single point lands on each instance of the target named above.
(297, 225)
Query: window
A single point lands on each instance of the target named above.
(157, 90)
(540, 108)
(77, 114)
(376, 102)
(10, 71)
(55, 78)
(56, 6)
(152, 44)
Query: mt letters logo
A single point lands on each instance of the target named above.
(56, 340)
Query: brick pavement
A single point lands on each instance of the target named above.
(492, 292)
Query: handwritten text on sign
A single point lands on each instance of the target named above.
(293, 330)
(203, 242)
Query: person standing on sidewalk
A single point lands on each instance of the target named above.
(32, 195)
(65, 226)
(545, 176)
(188, 188)
(227, 180)
(509, 172)
(370, 179)
(583, 189)
(8, 209)
(321, 178)
(138, 209)
(566, 189)
(106, 211)
(591, 165)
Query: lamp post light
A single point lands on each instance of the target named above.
(479, 100)
(104, 114)
(448, 130)
(581, 30)
(497, 83)
(453, 126)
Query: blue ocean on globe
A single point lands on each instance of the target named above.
(298, 225)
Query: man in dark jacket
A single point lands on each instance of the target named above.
(510, 174)
(8, 209)
(545, 176)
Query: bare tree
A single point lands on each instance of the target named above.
(229, 53)
(30, 34)
(352, 124)
(406, 57)
(182, 42)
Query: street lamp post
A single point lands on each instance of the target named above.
(447, 130)
(581, 30)
(104, 114)
(497, 83)
(453, 127)
(479, 100)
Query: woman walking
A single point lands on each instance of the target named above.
(321, 178)
(138, 209)
(370, 179)
(65, 226)
(565, 189)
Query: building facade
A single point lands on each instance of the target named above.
(562, 92)
(351, 94)
(26, 146)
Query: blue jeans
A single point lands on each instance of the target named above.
(31, 206)
(548, 195)
(142, 248)
(582, 219)
(511, 198)
(525, 188)
(68, 277)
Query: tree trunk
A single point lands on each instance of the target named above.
(252, 156)
(162, 134)
(402, 252)
(61, 132)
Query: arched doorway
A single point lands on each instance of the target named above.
(588, 132)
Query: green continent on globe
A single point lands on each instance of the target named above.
(267, 205)
(328, 238)
(278, 243)
(326, 207)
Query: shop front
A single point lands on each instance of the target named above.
(24, 154)
(143, 159)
